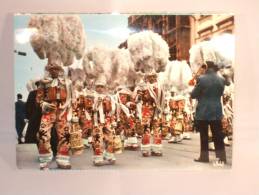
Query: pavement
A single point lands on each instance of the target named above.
(177, 156)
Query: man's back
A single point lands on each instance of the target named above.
(208, 92)
(20, 110)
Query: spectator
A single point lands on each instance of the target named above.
(33, 114)
(208, 92)
(19, 116)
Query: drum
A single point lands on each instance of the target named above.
(178, 128)
(139, 128)
(76, 141)
(165, 128)
(117, 145)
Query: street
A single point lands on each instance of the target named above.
(175, 156)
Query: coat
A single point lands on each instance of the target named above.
(33, 114)
(19, 117)
(208, 92)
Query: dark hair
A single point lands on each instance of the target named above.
(19, 96)
(37, 83)
(211, 65)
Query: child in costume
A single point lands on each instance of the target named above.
(103, 132)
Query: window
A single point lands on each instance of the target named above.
(171, 22)
(184, 20)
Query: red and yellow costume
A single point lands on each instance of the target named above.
(180, 123)
(54, 97)
(126, 118)
(104, 130)
(150, 119)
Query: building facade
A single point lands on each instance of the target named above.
(182, 31)
(207, 26)
(175, 30)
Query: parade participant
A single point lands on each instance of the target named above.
(188, 117)
(83, 100)
(185, 108)
(227, 103)
(175, 85)
(137, 97)
(227, 124)
(145, 112)
(165, 118)
(150, 116)
(109, 109)
(78, 116)
(61, 40)
(208, 92)
(177, 118)
(103, 134)
(152, 59)
(54, 97)
(156, 148)
(126, 118)
(88, 119)
(156, 93)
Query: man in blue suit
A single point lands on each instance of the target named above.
(208, 92)
(19, 116)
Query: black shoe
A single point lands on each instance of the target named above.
(201, 160)
(223, 160)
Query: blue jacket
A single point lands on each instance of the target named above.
(19, 116)
(20, 110)
(208, 92)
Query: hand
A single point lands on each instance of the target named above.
(47, 107)
(52, 107)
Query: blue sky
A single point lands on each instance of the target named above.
(105, 29)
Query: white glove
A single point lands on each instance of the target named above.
(47, 107)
